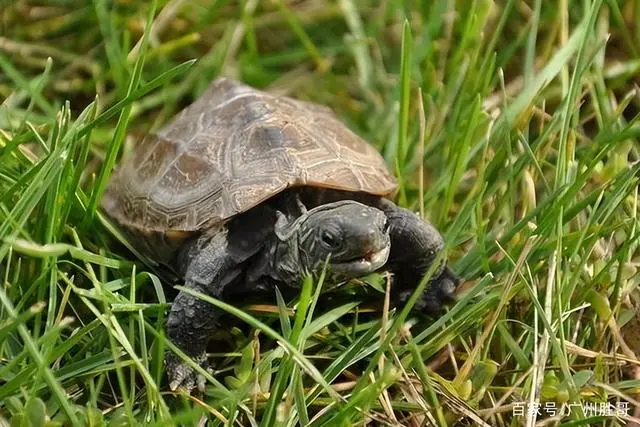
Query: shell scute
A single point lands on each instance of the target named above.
(230, 150)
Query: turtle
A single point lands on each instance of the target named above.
(244, 190)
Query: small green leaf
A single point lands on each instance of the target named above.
(599, 303)
(549, 390)
(265, 376)
(244, 368)
(581, 378)
(36, 412)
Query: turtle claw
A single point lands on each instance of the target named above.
(441, 291)
(183, 376)
(202, 381)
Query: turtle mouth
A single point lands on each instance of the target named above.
(368, 263)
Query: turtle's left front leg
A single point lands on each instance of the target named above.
(212, 267)
(213, 264)
(415, 245)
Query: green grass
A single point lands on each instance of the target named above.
(512, 125)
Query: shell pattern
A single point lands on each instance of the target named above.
(232, 149)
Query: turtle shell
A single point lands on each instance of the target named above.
(232, 149)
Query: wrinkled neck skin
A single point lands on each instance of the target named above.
(288, 262)
(283, 258)
(352, 237)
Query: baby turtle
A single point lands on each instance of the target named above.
(244, 190)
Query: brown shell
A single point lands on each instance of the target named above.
(232, 149)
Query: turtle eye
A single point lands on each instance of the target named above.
(330, 240)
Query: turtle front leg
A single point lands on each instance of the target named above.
(211, 267)
(191, 322)
(415, 244)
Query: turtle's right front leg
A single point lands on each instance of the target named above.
(211, 267)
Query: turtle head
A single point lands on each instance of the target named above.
(353, 237)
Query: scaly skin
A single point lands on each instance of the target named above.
(266, 246)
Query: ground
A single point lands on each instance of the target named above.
(511, 125)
